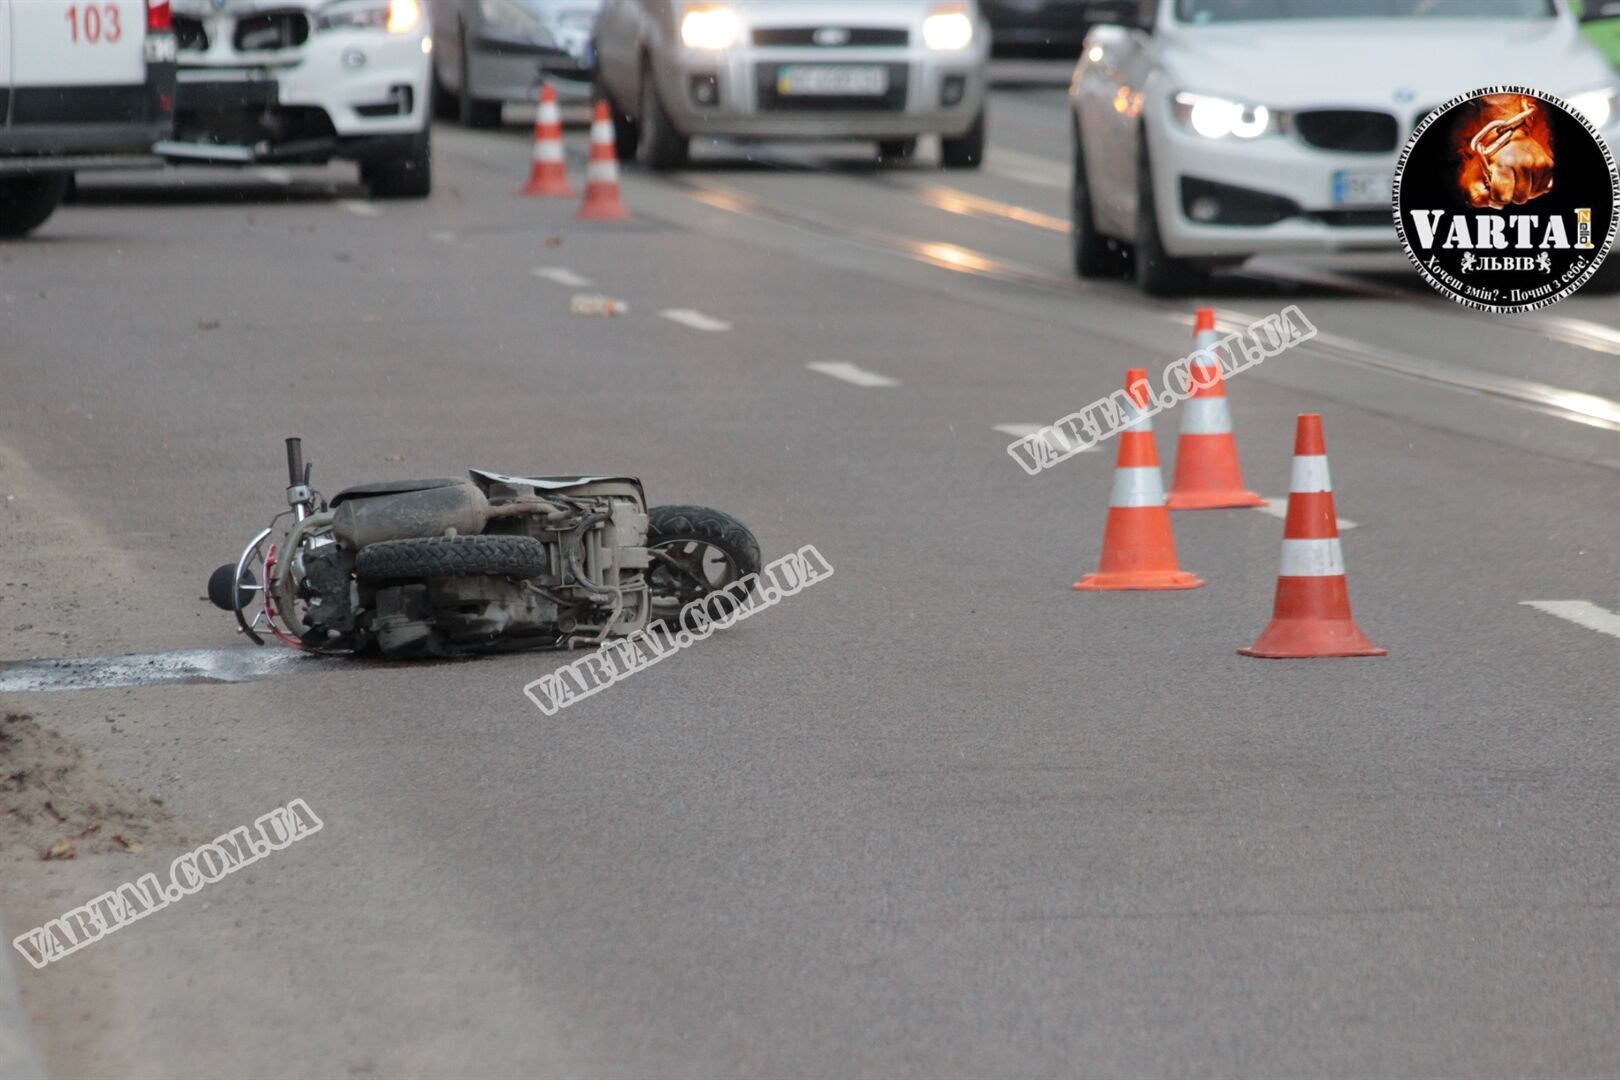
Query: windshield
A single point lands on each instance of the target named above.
(1216, 11)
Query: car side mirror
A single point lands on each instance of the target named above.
(1121, 13)
(1600, 10)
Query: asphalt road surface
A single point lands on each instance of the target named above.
(938, 816)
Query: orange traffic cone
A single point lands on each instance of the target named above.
(1312, 614)
(602, 202)
(1138, 550)
(1208, 476)
(548, 177)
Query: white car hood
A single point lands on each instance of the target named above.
(1380, 63)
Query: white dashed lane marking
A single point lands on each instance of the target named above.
(561, 275)
(1053, 439)
(1278, 508)
(443, 236)
(357, 207)
(852, 374)
(1581, 613)
(696, 320)
(273, 175)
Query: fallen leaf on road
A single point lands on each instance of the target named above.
(62, 849)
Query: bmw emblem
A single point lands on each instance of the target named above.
(1405, 95)
(831, 37)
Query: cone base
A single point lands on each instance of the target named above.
(548, 190)
(1213, 500)
(1308, 639)
(1140, 579)
(603, 212)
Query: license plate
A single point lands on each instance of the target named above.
(1361, 188)
(832, 81)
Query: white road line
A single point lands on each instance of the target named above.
(273, 175)
(1052, 439)
(1581, 613)
(443, 236)
(562, 276)
(850, 373)
(1278, 508)
(696, 320)
(357, 207)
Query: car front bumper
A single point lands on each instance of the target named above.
(930, 93)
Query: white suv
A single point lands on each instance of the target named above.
(1207, 131)
(306, 81)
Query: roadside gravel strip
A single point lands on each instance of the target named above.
(18, 1059)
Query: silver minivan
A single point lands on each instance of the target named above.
(885, 70)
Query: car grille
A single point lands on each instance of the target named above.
(805, 36)
(271, 31)
(189, 35)
(1350, 130)
(770, 100)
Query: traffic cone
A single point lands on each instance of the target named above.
(548, 177)
(1138, 550)
(1312, 614)
(602, 202)
(1208, 476)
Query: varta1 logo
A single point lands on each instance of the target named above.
(1506, 199)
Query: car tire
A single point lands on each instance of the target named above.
(445, 105)
(408, 176)
(473, 112)
(896, 151)
(1095, 255)
(626, 132)
(1606, 281)
(966, 151)
(1158, 273)
(662, 147)
(26, 201)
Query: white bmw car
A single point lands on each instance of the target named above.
(293, 82)
(1207, 131)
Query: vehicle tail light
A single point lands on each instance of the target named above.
(158, 16)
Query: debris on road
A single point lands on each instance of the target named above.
(598, 305)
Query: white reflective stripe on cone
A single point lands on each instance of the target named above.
(602, 172)
(1312, 558)
(602, 133)
(550, 114)
(1205, 339)
(1310, 474)
(1143, 421)
(1138, 487)
(548, 151)
(1205, 416)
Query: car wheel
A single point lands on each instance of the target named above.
(1157, 273)
(966, 151)
(1606, 281)
(408, 176)
(26, 201)
(473, 112)
(896, 151)
(445, 106)
(626, 132)
(662, 146)
(1095, 255)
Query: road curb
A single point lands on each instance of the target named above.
(18, 1058)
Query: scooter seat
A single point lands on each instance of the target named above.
(391, 487)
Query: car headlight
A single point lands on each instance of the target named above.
(509, 18)
(1220, 118)
(1596, 105)
(711, 28)
(394, 16)
(948, 28)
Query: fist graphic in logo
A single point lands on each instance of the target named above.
(1508, 161)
